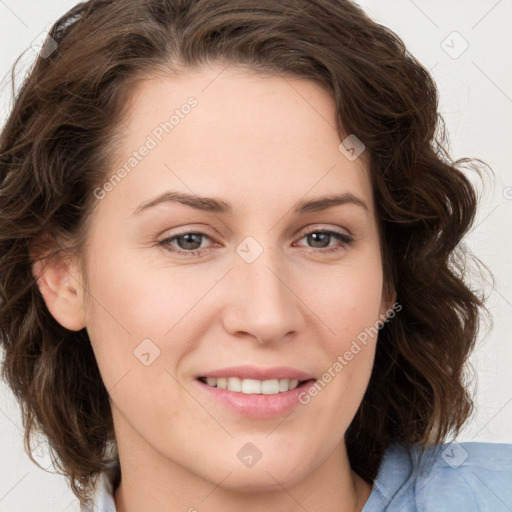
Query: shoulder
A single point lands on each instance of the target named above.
(466, 476)
(473, 477)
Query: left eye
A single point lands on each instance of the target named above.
(322, 236)
(190, 243)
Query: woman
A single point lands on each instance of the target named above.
(230, 264)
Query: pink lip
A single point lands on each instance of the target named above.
(252, 372)
(257, 406)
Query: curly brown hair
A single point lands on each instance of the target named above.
(56, 147)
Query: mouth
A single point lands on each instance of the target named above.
(255, 393)
(253, 386)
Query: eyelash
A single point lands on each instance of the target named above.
(341, 237)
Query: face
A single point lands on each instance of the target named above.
(259, 289)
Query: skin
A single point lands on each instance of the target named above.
(260, 143)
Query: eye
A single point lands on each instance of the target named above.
(191, 243)
(320, 239)
(188, 243)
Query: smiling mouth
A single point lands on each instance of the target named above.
(253, 386)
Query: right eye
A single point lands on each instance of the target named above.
(188, 243)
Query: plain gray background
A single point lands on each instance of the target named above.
(466, 46)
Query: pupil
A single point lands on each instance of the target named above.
(316, 237)
(189, 239)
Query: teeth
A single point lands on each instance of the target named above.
(284, 384)
(234, 384)
(252, 386)
(249, 387)
(270, 387)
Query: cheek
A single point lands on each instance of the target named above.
(143, 299)
(347, 300)
(139, 309)
(347, 303)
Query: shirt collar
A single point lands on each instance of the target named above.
(103, 493)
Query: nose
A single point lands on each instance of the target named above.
(262, 302)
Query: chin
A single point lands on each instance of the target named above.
(264, 476)
(259, 481)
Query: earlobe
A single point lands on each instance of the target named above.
(61, 292)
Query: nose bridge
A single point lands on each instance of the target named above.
(262, 303)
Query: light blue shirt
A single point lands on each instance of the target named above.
(453, 477)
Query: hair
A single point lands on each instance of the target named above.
(56, 147)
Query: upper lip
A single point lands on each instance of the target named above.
(253, 372)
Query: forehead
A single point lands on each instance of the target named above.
(233, 133)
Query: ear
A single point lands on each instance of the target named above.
(57, 278)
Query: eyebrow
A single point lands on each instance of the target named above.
(214, 205)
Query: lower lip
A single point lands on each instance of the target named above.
(257, 406)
